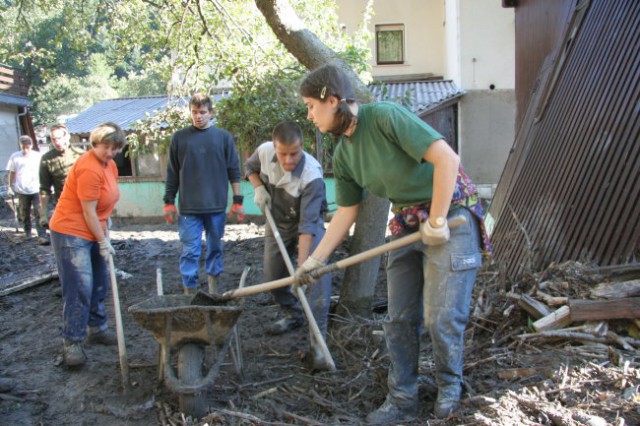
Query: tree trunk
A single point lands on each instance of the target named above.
(360, 280)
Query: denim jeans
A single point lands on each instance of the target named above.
(433, 284)
(84, 276)
(318, 294)
(190, 231)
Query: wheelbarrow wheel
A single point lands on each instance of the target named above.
(190, 372)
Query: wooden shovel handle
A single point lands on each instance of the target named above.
(341, 264)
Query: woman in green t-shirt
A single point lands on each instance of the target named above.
(387, 150)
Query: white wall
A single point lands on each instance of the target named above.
(424, 32)
(8, 133)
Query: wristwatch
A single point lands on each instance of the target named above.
(439, 222)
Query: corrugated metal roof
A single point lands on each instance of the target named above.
(123, 112)
(419, 96)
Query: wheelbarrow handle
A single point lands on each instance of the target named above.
(341, 264)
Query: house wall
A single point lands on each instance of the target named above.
(9, 133)
(424, 35)
(142, 201)
(481, 59)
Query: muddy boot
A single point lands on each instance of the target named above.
(448, 401)
(106, 337)
(6, 384)
(212, 281)
(293, 319)
(73, 354)
(190, 290)
(389, 413)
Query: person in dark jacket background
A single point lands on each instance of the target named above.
(202, 163)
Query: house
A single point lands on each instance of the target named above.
(15, 119)
(569, 190)
(471, 44)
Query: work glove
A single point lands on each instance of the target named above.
(170, 213)
(262, 198)
(106, 249)
(303, 276)
(10, 192)
(434, 236)
(237, 210)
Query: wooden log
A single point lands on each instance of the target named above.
(617, 290)
(590, 310)
(557, 319)
(535, 308)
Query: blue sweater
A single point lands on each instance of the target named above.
(201, 165)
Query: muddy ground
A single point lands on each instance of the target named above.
(510, 380)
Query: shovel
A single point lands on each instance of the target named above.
(315, 330)
(341, 264)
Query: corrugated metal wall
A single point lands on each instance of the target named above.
(570, 189)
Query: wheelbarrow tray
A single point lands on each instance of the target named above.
(173, 321)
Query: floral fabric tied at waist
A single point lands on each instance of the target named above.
(465, 195)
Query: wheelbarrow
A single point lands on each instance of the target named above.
(188, 323)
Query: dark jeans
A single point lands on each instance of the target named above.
(84, 276)
(25, 203)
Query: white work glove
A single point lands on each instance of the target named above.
(434, 236)
(303, 277)
(261, 197)
(106, 249)
(10, 191)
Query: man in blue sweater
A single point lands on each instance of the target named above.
(202, 163)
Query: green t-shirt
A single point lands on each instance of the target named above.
(384, 156)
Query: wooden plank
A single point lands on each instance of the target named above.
(5, 70)
(560, 318)
(30, 281)
(588, 310)
(617, 290)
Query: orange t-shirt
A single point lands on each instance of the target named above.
(89, 179)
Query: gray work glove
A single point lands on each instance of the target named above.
(303, 276)
(106, 249)
(434, 236)
(261, 197)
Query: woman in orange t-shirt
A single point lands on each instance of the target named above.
(80, 241)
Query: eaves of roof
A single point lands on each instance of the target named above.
(8, 99)
(421, 97)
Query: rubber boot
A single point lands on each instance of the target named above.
(190, 290)
(403, 347)
(212, 281)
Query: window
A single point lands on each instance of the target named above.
(390, 44)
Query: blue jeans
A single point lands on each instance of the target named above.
(84, 276)
(190, 231)
(431, 284)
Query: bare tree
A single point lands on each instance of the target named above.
(359, 282)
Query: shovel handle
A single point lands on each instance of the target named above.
(341, 264)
